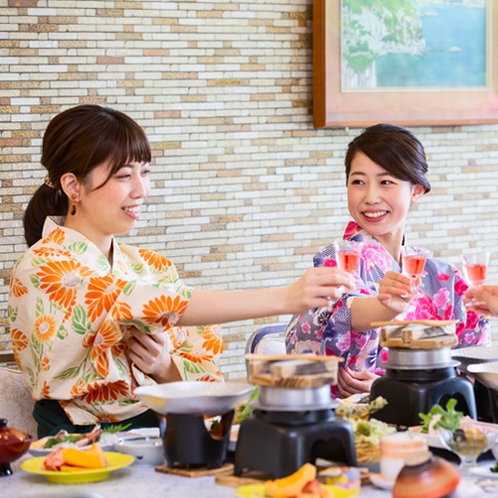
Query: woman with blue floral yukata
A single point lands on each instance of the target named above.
(385, 174)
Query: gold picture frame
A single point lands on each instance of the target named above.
(409, 106)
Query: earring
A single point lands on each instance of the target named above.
(72, 209)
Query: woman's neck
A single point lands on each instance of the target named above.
(102, 242)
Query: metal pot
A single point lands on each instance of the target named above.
(295, 399)
(420, 359)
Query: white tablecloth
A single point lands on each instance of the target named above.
(142, 481)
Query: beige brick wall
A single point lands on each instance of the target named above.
(245, 190)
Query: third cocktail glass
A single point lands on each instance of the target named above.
(413, 262)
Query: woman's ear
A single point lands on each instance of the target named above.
(71, 186)
(418, 192)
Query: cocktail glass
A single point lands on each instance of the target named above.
(467, 443)
(475, 267)
(413, 262)
(348, 254)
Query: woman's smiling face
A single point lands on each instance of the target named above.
(378, 201)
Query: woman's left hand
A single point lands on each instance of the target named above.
(351, 382)
(150, 354)
(396, 291)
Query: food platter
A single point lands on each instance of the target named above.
(106, 443)
(115, 461)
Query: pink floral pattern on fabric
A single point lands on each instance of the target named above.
(442, 287)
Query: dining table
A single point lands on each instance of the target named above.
(140, 480)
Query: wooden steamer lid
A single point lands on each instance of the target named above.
(418, 334)
(293, 371)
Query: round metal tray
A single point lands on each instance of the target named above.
(297, 408)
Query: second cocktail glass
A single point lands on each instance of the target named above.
(413, 262)
(475, 267)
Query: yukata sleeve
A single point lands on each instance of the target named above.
(197, 351)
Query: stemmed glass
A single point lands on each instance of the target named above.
(348, 255)
(413, 262)
(475, 267)
(467, 443)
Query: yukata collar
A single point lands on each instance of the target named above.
(92, 256)
(355, 232)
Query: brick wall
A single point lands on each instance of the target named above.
(244, 189)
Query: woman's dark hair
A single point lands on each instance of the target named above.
(76, 141)
(395, 149)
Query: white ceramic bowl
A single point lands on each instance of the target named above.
(147, 450)
(190, 397)
(485, 373)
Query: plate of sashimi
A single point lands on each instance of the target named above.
(105, 437)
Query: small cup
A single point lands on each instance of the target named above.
(394, 449)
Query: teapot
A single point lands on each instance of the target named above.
(13, 445)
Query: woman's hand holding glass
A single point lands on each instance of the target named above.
(483, 300)
(397, 290)
(317, 287)
(413, 263)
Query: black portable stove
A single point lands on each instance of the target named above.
(278, 440)
(189, 443)
(417, 379)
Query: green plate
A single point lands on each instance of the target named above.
(115, 461)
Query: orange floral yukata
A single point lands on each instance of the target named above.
(69, 312)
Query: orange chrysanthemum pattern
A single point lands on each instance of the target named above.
(101, 363)
(57, 236)
(44, 364)
(107, 392)
(117, 349)
(45, 390)
(103, 418)
(164, 310)
(108, 335)
(19, 340)
(101, 294)
(77, 389)
(212, 342)
(207, 378)
(60, 280)
(198, 357)
(154, 259)
(45, 328)
(121, 312)
(17, 288)
(47, 252)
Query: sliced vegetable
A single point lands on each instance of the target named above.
(450, 419)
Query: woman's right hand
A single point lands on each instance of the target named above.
(483, 300)
(317, 288)
(396, 291)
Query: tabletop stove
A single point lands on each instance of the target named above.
(294, 419)
(420, 372)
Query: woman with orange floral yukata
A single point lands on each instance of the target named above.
(91, 318)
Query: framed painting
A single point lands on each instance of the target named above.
(408, 62)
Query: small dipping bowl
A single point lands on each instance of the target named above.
(148, 450)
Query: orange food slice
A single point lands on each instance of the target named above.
(291, 485)
(92, 458)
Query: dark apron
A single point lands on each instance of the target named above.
(52, 418)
